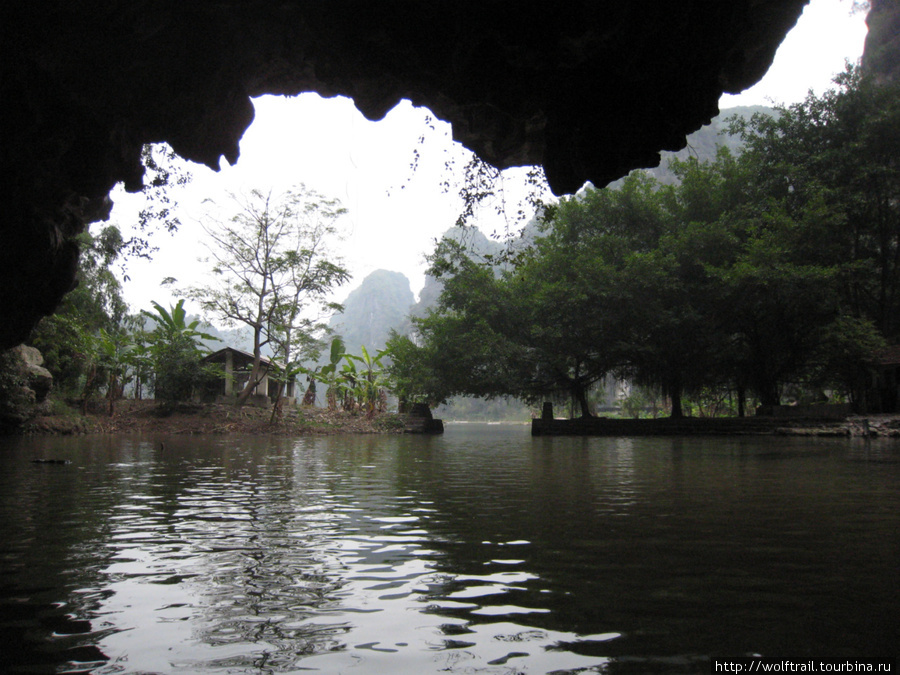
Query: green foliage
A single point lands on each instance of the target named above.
(66, 338)
(12, 374)
(329, 374)
(164, 174)
(66, 347)
(369, 383)
(351, 386)
(635, 404)
(838, 154)
(88, 343)
(15, 404)
(412, 375)
(172, 323)
(177, 369)
(753, 272)
(175, 352)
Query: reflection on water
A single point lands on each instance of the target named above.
(481, 551)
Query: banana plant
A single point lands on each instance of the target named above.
(172, 322)
(140, 360)
(348, 387)
(329, 374)
(112, 359)
(176, 349)
(369, 382)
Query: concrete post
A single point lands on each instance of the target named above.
(229, 373)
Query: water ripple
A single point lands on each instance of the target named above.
(407, 555)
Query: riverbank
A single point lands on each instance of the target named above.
(871, 426)
(147, 417)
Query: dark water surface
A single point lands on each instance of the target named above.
(482, 551)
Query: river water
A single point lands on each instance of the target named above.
(480, 551)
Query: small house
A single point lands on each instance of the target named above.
(237, 366)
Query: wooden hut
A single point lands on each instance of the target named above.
(237, 365)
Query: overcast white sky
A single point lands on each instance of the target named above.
(395, 214)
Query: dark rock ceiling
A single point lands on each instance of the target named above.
(589, 89)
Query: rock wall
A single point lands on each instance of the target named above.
(24, 385)
(588, 88)
(882, 51)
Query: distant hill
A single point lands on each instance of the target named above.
(703, 143)
(480, 246)
(238, 338)
(379, 304)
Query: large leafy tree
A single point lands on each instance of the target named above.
(761, 299)
(825, 222)
(273, 271)
(533, 329)
(840, 152)
(470, 339)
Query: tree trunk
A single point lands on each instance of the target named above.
(742, 401)
(256, 376)
(580, 395)
(277, 406)
(677, 410)
(88, 388)
(257, 372)
(769, 396)
(111, 395)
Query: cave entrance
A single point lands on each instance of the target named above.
(399, 178)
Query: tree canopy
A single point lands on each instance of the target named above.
(777, 266)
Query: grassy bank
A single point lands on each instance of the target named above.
(147, 417)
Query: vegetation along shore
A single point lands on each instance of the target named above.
(210, 418)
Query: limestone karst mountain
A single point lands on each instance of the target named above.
(379, 304)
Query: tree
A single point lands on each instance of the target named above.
(412, 375)
(66, 338)
(112, 362)
(329, 374)
(840, 150)
(274, 272)
(176, 352)
(685, 289)
(527, 331)
(164, 174)
(826, 185)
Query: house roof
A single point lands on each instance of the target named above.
(243, 357)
